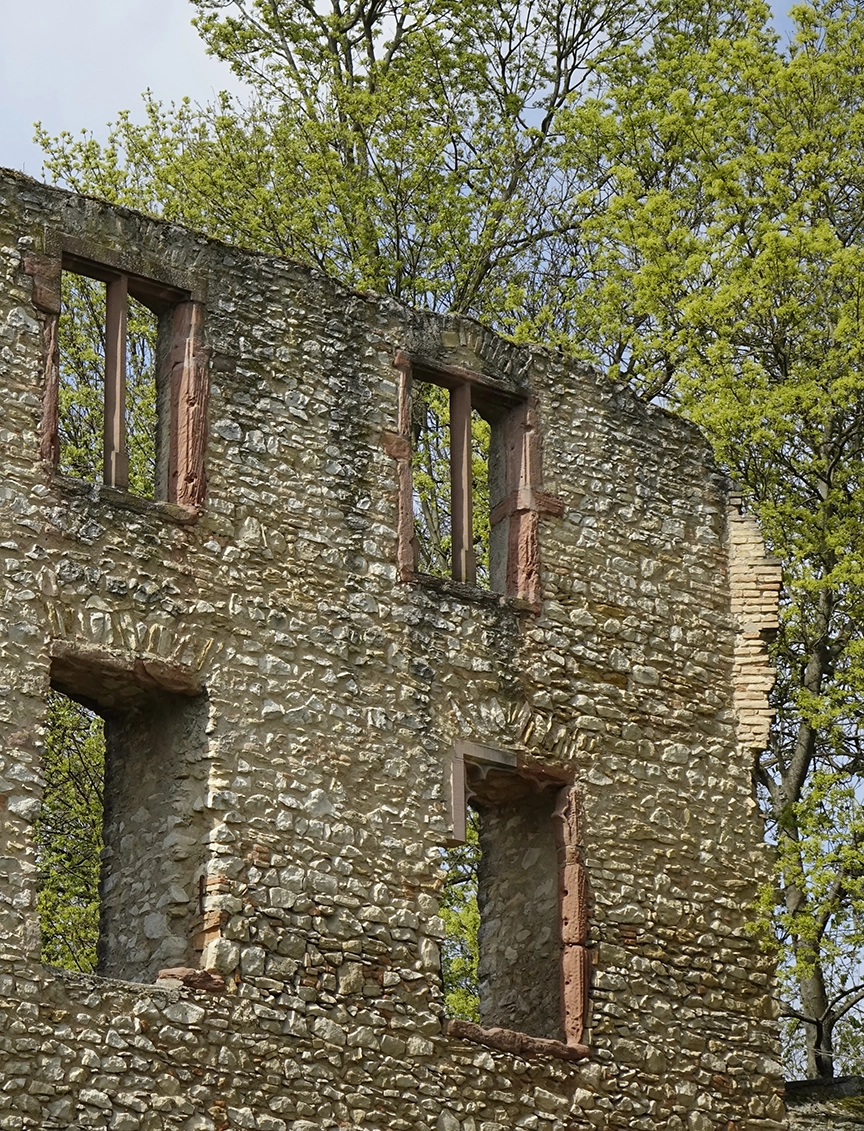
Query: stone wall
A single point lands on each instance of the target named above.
(313, 794)
(826, 1105)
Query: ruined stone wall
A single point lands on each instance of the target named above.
(334, 693)
(826, 1105)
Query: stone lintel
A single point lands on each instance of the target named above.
(117, 679)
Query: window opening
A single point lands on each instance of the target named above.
(68, 835)
(451, 442)
(519, 935)
(481, 442)
(131, 384)
(514, 899)
(82, 376)
(141, 422)
(121, 836)
(461, 915)
(431, 477)
(470, 480)
(107, 429)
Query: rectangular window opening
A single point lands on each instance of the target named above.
(481, 442)
(469, 472)
(131, 384)
(431, 477)
(519, 933)
(514, 899)
(120, 837)
(68, 835)
(454, 463)
(461, 915)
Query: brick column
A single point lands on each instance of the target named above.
(754, 581)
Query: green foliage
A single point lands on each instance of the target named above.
(481, 438)
(431, 476)
(459, 952)
(82, 385)
(407, 146)
(68, 835)
(721, 269)
(82, 377)
(431, 482)
(816, 927)
(141, 332)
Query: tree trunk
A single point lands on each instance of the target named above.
(820, 1031)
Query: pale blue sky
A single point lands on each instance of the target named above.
(72, 64)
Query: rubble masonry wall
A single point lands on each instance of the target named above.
(334, 694)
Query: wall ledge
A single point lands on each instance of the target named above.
(508, 1040)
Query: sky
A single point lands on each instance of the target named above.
(86, 59)
(73, 64)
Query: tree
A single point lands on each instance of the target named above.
(408, 146)
(721, 270)
(662, 189)
(68, 835)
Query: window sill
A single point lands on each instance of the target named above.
(462, 591)
(168, 981)
(117, 497)
(519, 1044)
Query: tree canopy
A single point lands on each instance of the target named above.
(663, 188)
(726, 269)
(407, 146)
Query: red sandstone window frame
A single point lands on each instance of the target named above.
(522, 500)
(182, 374)
(473, 759)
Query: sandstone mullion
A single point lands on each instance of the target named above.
(115, 468)
(188, 385)
(463, 560)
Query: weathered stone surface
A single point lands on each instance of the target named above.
(826, 1105)
(287, 697)
(509, 1040)
(192, 978)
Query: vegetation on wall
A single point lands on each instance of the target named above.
(663, 188)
